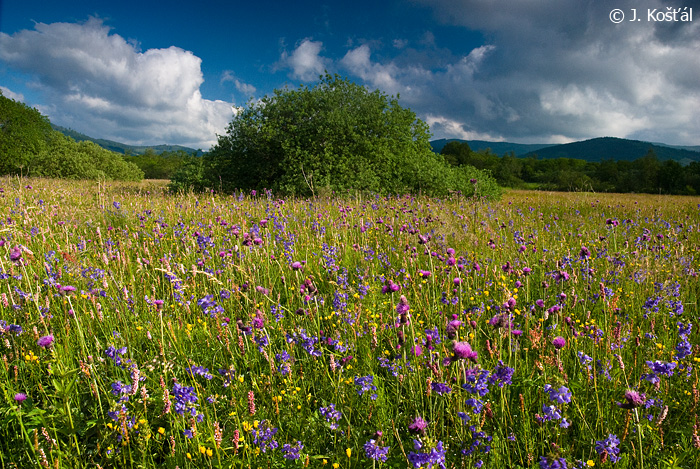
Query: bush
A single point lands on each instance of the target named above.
(336, 135)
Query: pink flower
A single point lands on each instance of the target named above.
(45, 341)
(463, 350)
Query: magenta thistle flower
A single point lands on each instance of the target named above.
(418, 426)
(403, 306)
(463, 351)
(559, 343)
(20, 397)
(15, 254)
(45, 341)
(633, 399)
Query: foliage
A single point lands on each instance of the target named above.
(144, 329)
(29, 146)
(643, 175)
(23, 136)
(163, 165)
(336, 136)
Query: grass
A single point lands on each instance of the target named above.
(142, 329)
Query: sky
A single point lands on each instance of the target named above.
(526, 71)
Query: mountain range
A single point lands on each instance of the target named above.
(123, 147)
(595, 149)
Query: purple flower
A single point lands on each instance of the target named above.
(561, 395)
(585, 253)
(540, 303)
(45, 341)
(297, 265)
(418, 426)
(552, 463)
(20, 397)
(633, 398)
(462, 351)
(609, 446)
(403, 306)
(559, 343)
(67, 289)
(440, 388)
(375, 452)
(15, 254)
(292, 452)
(364, 384)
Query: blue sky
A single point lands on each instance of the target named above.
(533, 71)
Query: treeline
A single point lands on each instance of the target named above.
(161, 165)
(30, 147)
(644, 175)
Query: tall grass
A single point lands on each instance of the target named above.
(141, 329)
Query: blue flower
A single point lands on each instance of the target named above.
(609, 446)
(561, 395)
(375, 452)
(364, 384)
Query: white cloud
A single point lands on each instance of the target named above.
(455, 129)
(383, 76)
(244, 88)
(8, 93)
(305, 61)
(99, 83)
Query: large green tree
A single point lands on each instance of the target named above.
(24, 135)
(335, 136)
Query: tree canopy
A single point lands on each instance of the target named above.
(336, 136)
(30, 147)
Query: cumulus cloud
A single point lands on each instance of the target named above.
(383, 76)
(8, 93)
(305, 62)
(557, 70)
(97, 82)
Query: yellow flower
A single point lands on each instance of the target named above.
(348, 451)
(161, 430)
(590, 463)
(209, 452)
(202, 449)
(189, 456)
(336, 465)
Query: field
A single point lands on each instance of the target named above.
(549, 330)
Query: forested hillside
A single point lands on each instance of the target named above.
(30, 147)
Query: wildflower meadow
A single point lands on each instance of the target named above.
(545, 330)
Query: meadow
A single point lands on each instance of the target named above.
(546, 330)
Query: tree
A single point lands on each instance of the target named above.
(336, 136)
(456, 153)
(24, 135)
(30, 146)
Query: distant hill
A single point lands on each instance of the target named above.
(499, 148)
(618, 149)
(123, 147)
(596, 149)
